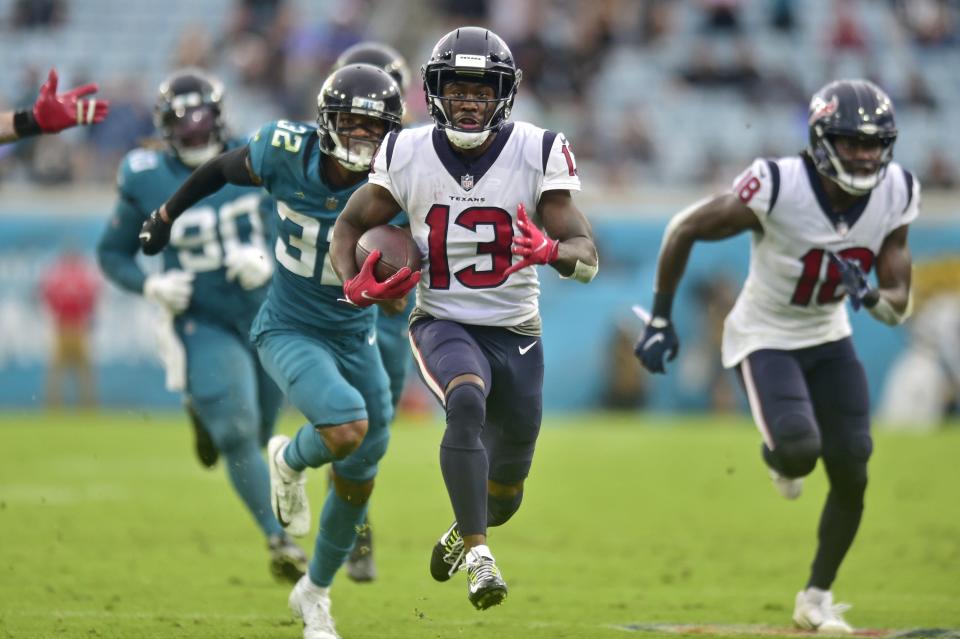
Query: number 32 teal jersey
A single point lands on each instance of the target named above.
(286, 157)
(200, 240)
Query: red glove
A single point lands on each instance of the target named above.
(531, 245)
(55, 113)
(363, 289)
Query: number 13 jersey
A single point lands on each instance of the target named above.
(463, 215)
(793, 296)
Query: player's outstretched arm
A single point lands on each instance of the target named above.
(232, 167)
(893, 278)
(53, 112)
(7, 132)
(370, 205)
(714, 219)
(717, 218)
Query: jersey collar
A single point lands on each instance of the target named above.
(844, 220)
(465, 172)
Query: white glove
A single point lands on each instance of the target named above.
(171, 290)
(249, 265)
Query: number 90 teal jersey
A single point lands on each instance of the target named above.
(286, 157)
(200, 239)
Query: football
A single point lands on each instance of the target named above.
(396, 246)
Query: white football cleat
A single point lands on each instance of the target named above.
(311, 604)
(788, 488)
(485, 585)
(815, 610)
(288, 490)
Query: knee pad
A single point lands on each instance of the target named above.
(466, 412)
(797, 445)
(361, 465)
(501, 509)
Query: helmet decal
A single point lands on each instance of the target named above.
(819, 109)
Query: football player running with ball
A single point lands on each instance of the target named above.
(321, 351)
(214, 278)
(465, 183)
(820, 222)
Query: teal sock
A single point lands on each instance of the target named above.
(307, 449)
(251, 480)
(339, 523)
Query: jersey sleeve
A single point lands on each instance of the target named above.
(912, 209)
(559, 165)
(380, 170)
(259, 147)
(134, 170)
(758, 187)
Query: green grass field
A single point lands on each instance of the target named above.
(109, 528)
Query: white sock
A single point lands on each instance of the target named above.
(314, 589)
(815, 594)
(481, 551)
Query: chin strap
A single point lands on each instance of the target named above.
(466, 140)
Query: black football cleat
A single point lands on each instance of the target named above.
(203, 444)
(288, 562)
(447, 555)
(360, 566)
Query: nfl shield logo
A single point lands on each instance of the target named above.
(332, 203)
(466, 181)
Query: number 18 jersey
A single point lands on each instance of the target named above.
(463, 215)
(793, 296)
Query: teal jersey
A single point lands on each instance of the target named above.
(305, 291)
(200, 238)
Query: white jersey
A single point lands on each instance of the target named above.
(463, 215)
(793, 296)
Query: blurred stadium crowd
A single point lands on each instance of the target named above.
(651, 91)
